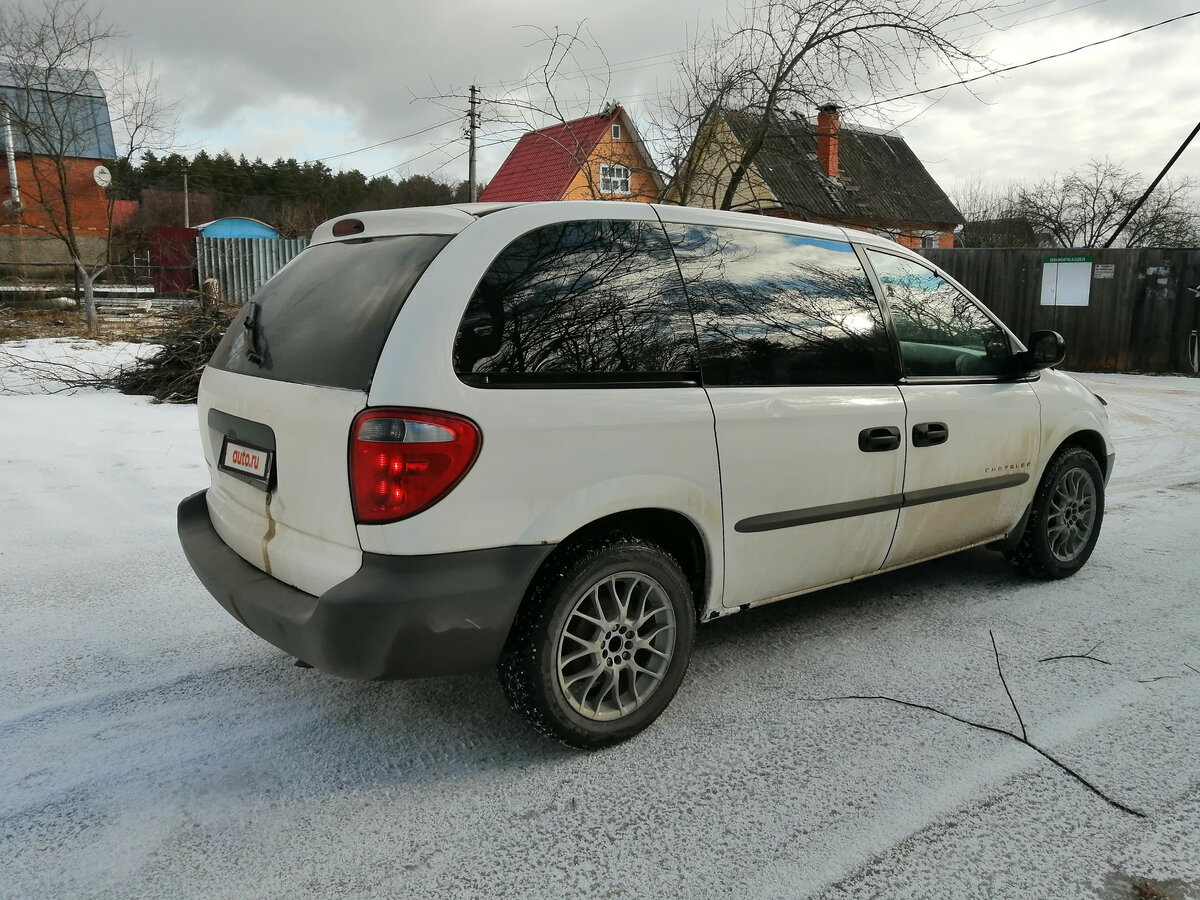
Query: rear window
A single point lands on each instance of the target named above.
(324, 318)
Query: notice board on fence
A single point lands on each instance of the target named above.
(1066, 280)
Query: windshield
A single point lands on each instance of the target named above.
(324, 318)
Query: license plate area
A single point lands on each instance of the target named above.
(245, 462)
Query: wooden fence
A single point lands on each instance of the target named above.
(1142, 311)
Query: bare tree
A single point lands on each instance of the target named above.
(55, 60)
(1082, 207)
(573, 80)
(991, 215)
(774, 55)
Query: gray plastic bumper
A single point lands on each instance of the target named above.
(397, 617)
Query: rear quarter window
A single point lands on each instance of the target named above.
(581, 303)
(324, 318)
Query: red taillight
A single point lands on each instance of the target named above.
(405, 460)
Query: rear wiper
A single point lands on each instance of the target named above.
(256, 342)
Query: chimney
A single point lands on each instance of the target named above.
(827, 139)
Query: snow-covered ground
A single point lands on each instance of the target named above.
(150, 746)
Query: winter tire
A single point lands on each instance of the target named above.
(602, 642)
(1065, 519)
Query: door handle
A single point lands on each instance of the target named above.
(928, 434)
(880, 438)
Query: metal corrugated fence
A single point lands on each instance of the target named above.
(243, 265)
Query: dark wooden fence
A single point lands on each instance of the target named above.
(1142, 314)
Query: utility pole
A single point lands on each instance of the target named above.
(187, 217)
(1167, 168)
(472, 122)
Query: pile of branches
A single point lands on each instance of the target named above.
(188, 339)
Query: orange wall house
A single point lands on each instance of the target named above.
(596, 157)
(41, 196)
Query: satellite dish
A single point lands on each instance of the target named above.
(102, 176)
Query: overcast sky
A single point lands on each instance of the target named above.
(307, 80)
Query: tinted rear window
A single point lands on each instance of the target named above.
(324, 318)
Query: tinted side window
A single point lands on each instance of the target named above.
(941, 330)
(580, 303)
(779, 309)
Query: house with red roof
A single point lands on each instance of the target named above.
(596, 157)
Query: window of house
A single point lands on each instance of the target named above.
(931, 241)
(616, 132)
(588, 303)
(942, 331)
(614, 180)
(781, 309)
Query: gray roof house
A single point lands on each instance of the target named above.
(823, 171)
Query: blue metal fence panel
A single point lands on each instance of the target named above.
(243, 265)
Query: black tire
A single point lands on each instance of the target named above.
(1065, 519)
(578, 663)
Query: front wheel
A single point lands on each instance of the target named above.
(603, 642)
(1064, 521)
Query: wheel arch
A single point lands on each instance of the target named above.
(1087, 439)
(674, 532)
(1091, 441)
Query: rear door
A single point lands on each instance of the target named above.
(280, 393)
(796, 362)
(972, 432)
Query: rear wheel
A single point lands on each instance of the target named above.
(603, 642)
(1065, 519)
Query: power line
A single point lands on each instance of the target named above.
(402, 137)
(414, 159)
(1023, 65)
(649, 62)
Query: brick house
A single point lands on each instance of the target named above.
(596, 157)
(58, 133)
(820, 172)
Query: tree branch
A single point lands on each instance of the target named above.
(1003, 681)
(1087, 654)
(1022, 738)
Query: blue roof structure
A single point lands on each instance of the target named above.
(237, 227)
(58, 112)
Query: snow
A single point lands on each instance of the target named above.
(55, 365)
(154, 747)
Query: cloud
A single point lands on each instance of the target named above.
(309, 79)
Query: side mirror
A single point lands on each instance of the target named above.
(1046, 349)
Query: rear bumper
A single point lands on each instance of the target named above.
(397, 617)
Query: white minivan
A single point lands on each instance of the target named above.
(552, 438)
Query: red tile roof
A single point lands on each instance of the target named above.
(544, 162)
